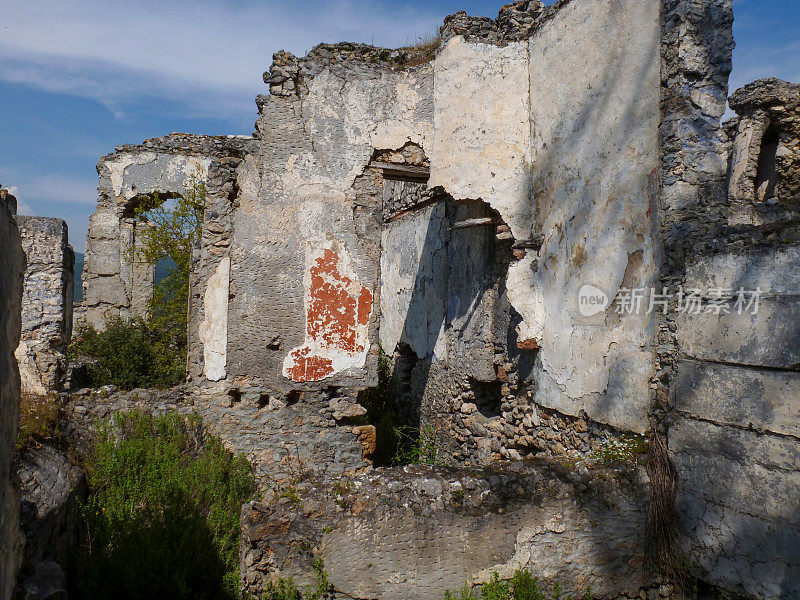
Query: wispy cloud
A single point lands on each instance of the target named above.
(55, 188)
(758, 61)
(209, 55)
(22, 206)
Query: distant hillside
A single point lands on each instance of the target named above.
(162, 267)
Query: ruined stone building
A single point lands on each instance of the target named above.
(46, 304)
(443, 213)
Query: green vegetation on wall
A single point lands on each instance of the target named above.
(522, 586)
(397, 443)
(129, 354)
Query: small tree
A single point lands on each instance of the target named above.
(175, 232)
(152, 352)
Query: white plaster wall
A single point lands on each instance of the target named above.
(594, 97)
(214, 327)
(481, 146)
(414, 283)
(134, 173)
(297, 195)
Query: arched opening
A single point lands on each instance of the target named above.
(766, 173)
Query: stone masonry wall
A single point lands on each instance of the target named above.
(116, 282)
(477, 284)
(764, 181)
(728, 376)
(47, 304)
(447, 206)
(12, 269)
(308, 206)
(416, 532)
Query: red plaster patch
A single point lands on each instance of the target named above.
(337, 313)
(309, 368)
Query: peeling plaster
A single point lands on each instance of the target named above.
(213, 332)
(482, 147)
(31, 380)
(163, 172)
(338, 309)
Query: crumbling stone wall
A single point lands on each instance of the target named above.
(312, 204)
(416, 532)
(117, 283)
(765, 168)
(448, 206)
(728, 377)
(12, 269)
(47, 304)
(51, 491)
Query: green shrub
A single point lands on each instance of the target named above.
(416, 448)
(626, 450)
(383, 412)
(464, 594)
(129, 354)
(522, 586)
(151, 352)
(397, 444)
(162, 516)
(526, 586)
(175, 229)
(496, 589)
(285, 589)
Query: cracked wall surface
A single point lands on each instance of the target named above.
(728, 378)
(419, 532)
(12, 270)
(594, 184)
(47, 304)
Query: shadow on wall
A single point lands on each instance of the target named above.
(737, 449)
(574, 203)
(449, 316)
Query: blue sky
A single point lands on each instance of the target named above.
(80, 77)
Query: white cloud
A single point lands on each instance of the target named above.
(207, 54)
(22, 207)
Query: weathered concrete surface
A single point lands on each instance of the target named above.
(770, 338)
(47, 304)
(748, 398)
(12, 270)
(736, 445)
(727, 383)
(764, 333)
(414, 282)
(418, 531)
(594, 184)
(738, 501)
(213, 332)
